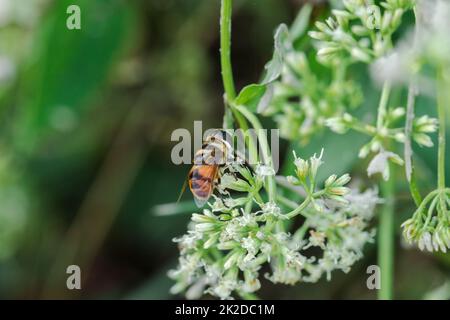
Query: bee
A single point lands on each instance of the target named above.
(209, 164)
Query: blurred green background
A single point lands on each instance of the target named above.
(86, 117)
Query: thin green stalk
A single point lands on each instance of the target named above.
(300, 233)
(265, 150)
(441, 102)
(225, 61)
(386, 240)
(288, 203)
(408, 152)
(414, 189)
(382, 107)
(298, 210)
(225, 44)
(227, 74)
(386, 220)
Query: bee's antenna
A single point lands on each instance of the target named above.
(182, 190)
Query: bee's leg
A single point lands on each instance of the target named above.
(225, 205)
(217, 182)
(221, 191)
(217, 185)
(223, 169)
(243, 161)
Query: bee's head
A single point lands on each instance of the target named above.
(217, 135)
(216, 146)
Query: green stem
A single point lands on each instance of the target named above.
(286, 202)
(386, 240)
(227, 73)
(225, 44)
(265, 150)
(300, 233)
(386, 221)
(382, 107)
(408, 151)
(441, 102)
(298, 210)
(414, 189)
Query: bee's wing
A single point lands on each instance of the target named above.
(209, 176)
(200, 202)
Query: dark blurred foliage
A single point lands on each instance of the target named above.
(85, 141)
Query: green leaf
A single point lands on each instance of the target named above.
(250, 96)
(265, 99)
(250, 93)
(275, 66)
(256, 97)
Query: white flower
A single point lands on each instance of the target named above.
(266, 248)
(282, 237)
(233, 202)
(302, 166)
(316, 239)
(219, 204)
(251, 283)
(233, 259)
(250, 245)
(224, 288)
(314, 273)
(362, 204)
(263, 171)
(337, 124)
(284, 275)
(247, 219)
(425, 242)
(272, 209)
(327, 265)
(231, 231)
(294, 259)
(316, 162)
(188, 241)
(212, 272)
(197, 289)
(379, 163)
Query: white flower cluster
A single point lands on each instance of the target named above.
(303, 101)
(361, 31)
(429, 227)
(387, 130)
(227, 245)
(413, 58)
(428, 46)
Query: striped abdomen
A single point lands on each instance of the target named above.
(201, 181)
